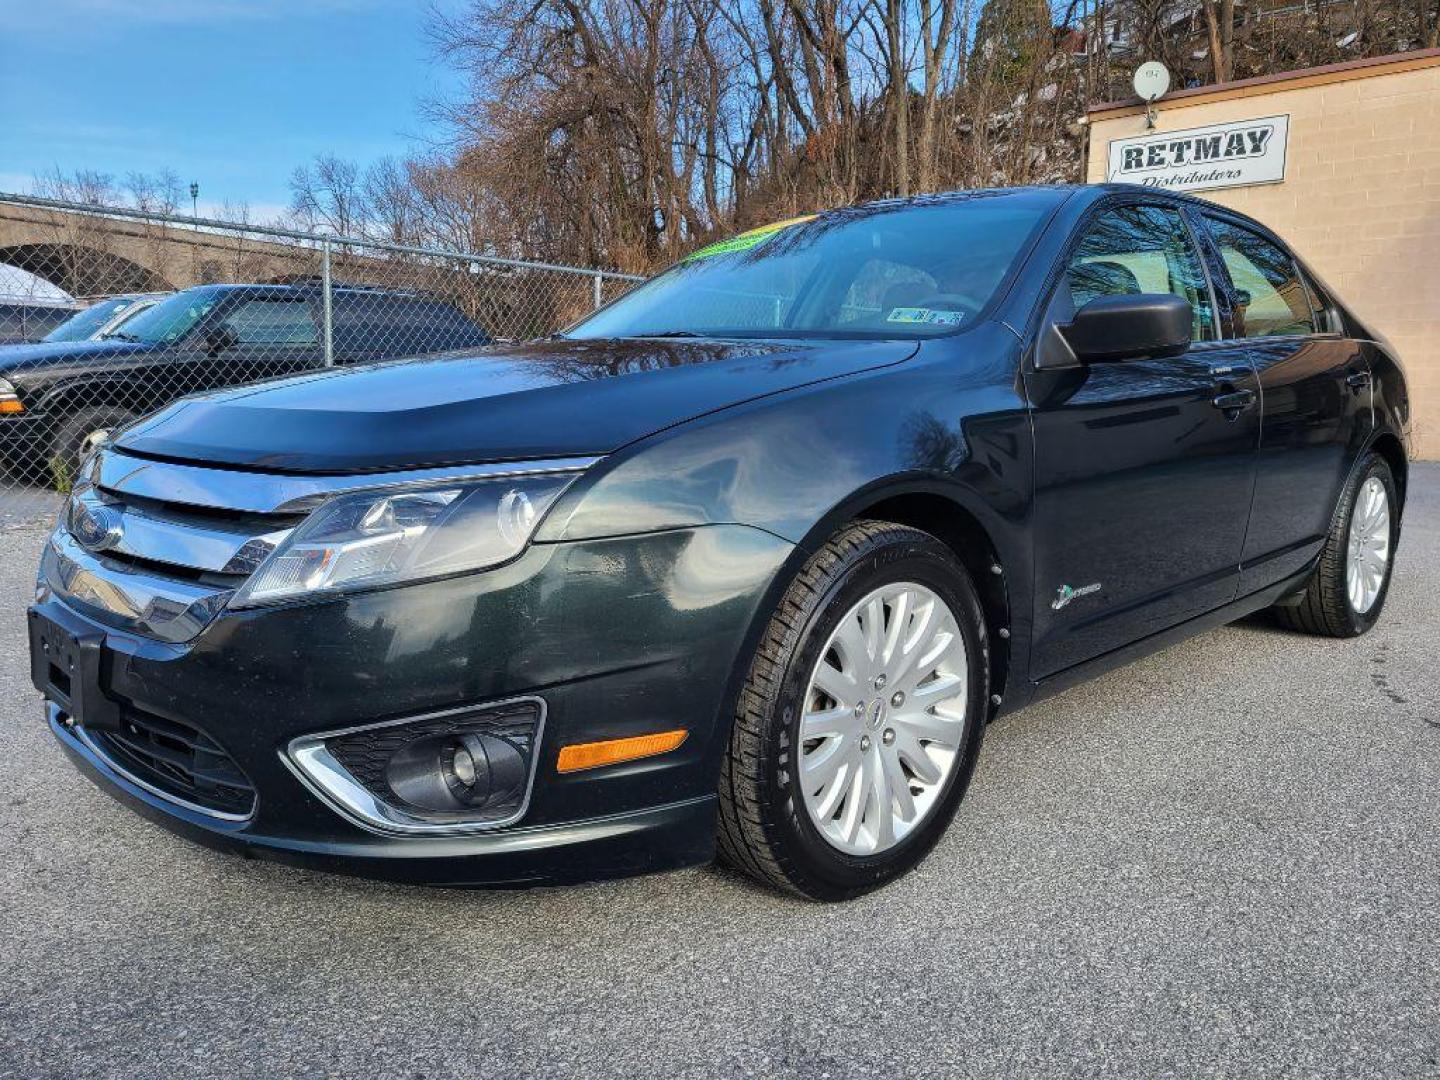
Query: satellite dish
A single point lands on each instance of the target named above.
(1151, 80)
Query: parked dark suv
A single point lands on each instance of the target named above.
(745, 561)
(58, 398)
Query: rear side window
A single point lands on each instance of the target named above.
(1271, 299)
(386, 325)
(273, 322)
(1326, 322)
(1141, 249)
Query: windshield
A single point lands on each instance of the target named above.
(170, 319)
(885, 271)
(82, 326)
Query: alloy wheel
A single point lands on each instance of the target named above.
(1367, 558)
(884, 718)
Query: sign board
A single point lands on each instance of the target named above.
(1236, 154)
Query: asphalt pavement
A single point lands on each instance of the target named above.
(1221, 861)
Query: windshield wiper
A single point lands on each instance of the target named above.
(118, 336)
(671, 333)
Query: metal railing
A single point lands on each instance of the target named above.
(167, 305)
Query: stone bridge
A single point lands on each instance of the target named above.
(94, 254)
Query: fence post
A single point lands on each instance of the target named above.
(326, 316)
(599, 290)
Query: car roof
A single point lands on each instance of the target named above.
(308, 288)
(1053, 194)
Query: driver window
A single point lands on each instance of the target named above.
(273, 322)
(1141, 249)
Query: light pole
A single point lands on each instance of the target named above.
(194, 213)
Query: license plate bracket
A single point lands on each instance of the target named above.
(65, 661)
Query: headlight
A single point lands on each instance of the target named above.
(381, 538)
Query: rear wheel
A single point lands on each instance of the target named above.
(1347, 591)
(861, 718)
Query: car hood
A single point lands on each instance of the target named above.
(550, 399)
(16, 359)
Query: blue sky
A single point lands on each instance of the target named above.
(232, 94)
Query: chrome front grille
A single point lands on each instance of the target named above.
(159, 548)
(161, 567)
(192, 540)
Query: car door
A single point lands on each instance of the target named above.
(1143, 468)
(1315, 389)
(262, 335)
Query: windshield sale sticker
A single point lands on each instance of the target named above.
(747, 240)
(925, 315)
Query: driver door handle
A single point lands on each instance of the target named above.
(1234, 402)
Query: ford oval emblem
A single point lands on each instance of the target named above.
(98, 528)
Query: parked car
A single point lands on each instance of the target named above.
(102, 317)
(747, 560)
(58, 400)
(23, 319)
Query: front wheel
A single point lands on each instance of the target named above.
(859, 724)
(1347, 591)
(79, 434)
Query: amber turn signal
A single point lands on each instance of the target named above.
(10, 406)
(592, 755)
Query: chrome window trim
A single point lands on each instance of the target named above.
(83, 737)
(277, 493)
(329, 781)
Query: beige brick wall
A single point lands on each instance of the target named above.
(1360, 201)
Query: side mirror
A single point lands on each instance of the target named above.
(220, 339)
(1131, 326)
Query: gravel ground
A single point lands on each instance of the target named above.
(1221, 861)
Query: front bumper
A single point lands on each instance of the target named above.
(619, 637)
(642, 841)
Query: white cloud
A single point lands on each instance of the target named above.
(16, 183)
(260, 213)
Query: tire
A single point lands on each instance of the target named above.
(766, 828)
(76, 431)
(1326, 608)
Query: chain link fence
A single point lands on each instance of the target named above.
(109, 314)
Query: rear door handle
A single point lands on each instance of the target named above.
(1358, 380)
(1234, 402)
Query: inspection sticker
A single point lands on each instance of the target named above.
(925, 315)
(747, 240)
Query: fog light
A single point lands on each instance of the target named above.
(462, 763)
(453, 771)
